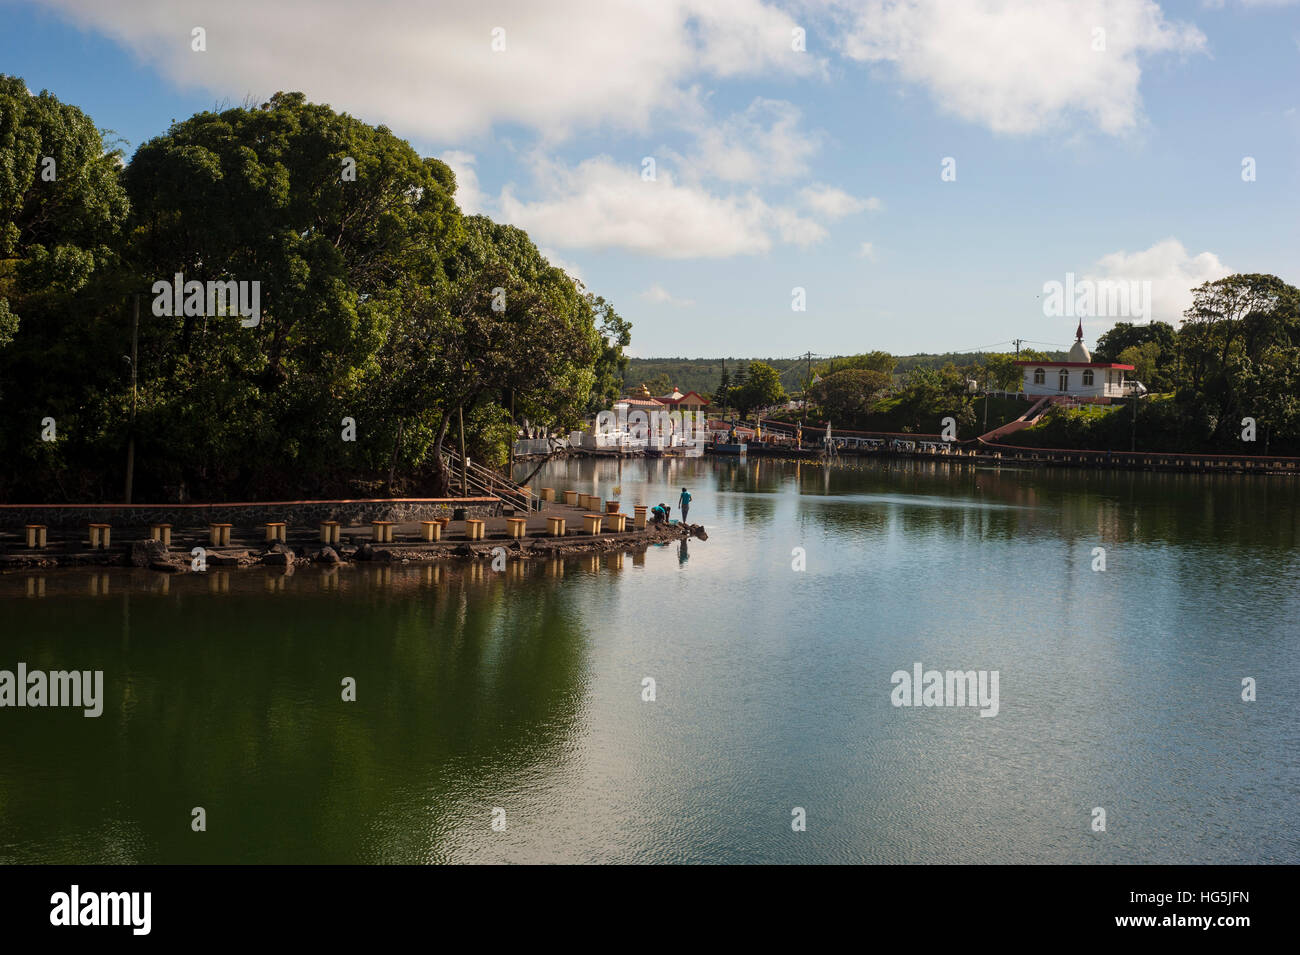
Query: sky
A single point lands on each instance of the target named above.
(913, 173)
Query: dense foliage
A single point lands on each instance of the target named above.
(1232, 368)
(385, 318)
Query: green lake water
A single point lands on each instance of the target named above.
(523, 690)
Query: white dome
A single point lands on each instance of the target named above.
(1078, 352)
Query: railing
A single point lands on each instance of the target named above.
(486, 481)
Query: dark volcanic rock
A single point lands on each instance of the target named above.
(145, 553)
(328, 555)
(364, 552)
(278, 559)
(383, 555)
(226, 560)
(167, 567)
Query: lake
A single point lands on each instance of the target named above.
(519, 698)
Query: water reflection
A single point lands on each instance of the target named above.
(521, 688)
(470, 685)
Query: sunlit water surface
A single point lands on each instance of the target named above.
(523, 690)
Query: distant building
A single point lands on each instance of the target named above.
(638, 400)
(1078, 376)
(676, 401)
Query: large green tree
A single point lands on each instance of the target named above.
(512, 328)
(761, 387)
(343, 225)
(1240, 344)
(61, 206)
(62, 212)
(847, 395)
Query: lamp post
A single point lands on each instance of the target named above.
(130, 439)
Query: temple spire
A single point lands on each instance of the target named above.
(1078, 336)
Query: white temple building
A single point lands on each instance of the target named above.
(1078, 376)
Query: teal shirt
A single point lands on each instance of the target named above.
(685, 499)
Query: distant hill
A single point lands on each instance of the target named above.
(703, 374)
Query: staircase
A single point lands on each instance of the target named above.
(1026, 420)
(485, 482)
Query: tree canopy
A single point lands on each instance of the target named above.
(385, 317)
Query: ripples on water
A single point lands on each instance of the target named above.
(523, 690)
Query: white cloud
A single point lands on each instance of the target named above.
(469, 196)
(659, 295)
(762, 144)
(833, 203)
(1019, 66)
(867, 251)
(796, 229)
(600, 204)
(428, 69)
(1172, 271)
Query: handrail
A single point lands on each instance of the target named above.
(490, 482)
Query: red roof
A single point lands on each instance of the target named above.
(1077, 364)
(669, 400)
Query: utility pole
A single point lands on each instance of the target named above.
(464, 464)
(1017, 342)
(130, 439)
(807, 385)
(1133, 446)
(986, 402)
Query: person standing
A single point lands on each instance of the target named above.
(684, 502)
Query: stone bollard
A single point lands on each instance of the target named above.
(36, 536)
(329, 532)
(571, 498)
(383, 531)
(639, 517)
(99, 536)
(275, 531)
(161, 533)
(432, 530)
(517, 526)
(548, 494)
(555, 526)
(218, 534)
(617, 522)
(591, 523)
(473, 529)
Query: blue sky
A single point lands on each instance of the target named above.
(1114, 156)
